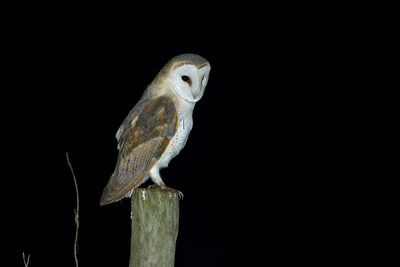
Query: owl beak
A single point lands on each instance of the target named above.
(194, 94)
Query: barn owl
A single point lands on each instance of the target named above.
(157, 127)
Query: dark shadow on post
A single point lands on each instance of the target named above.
(155, 223)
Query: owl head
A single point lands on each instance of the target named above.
(187, 75)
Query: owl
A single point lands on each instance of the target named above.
(158, 126)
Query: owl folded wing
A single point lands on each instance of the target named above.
(142, 139)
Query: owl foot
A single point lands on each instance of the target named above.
(153, 186)
(166, 188)
(173, 191)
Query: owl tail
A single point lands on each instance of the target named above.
(106, 196)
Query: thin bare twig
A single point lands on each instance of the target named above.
(26, 261)
(76, 212)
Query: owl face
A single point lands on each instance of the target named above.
(189, 81)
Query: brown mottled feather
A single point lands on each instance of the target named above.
(143, 139)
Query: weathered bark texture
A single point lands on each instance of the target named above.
(155, 221)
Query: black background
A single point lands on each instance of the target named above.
(283, 166)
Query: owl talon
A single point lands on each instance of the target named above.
(166, 188)
(180, 194)
(174, 191)
(153, 186)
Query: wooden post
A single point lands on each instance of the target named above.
(155, 222)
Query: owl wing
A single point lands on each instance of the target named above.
(142, 139)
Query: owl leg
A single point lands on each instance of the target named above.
(156, 178)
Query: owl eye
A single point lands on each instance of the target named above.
(185, 78)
